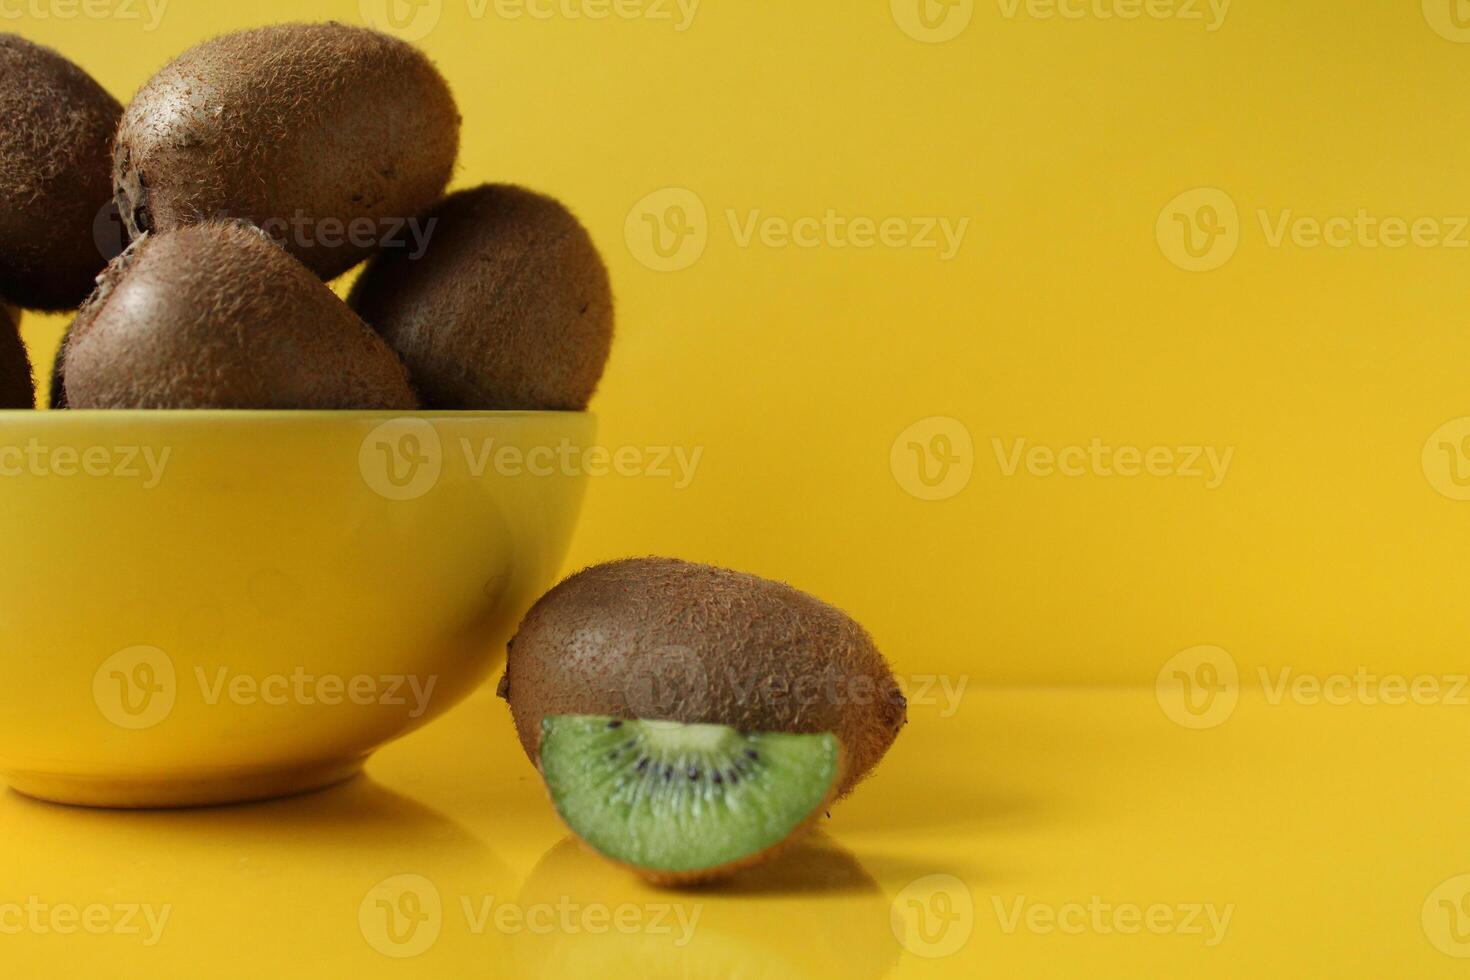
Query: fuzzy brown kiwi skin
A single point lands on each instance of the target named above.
(17, 382)
(720, 872)
(56, 129)
(509, 307)
(216, 315)
(620, 640)
(58, 373)
(321, 124)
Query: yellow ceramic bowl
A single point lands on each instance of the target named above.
(207, 607)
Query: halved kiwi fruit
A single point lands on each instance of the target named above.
(670, 639)
(685, 803)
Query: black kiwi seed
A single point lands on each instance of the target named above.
(509, 307)
(56, 129)
(690, 825)
(308, 130)
(217, 316)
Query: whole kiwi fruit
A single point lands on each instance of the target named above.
(217, 315)
(56, 129)
(509, 306)
(58, 372)
(17, 384)
(326, 136)
(658, 638)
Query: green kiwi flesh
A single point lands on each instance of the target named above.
(685, 802)
(662, 638)
(216, 315)
(509, 307)
(56, 129)
(307, 130)
(17, 382)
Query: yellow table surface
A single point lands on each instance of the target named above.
(1083, 833)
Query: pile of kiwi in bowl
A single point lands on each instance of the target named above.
(249, 484)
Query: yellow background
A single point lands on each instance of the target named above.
(1059, 320)
(1063, 318)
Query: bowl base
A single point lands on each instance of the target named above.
(181, 790)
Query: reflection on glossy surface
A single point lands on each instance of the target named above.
(1315, 830)
(277, 885)
(816, 912)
